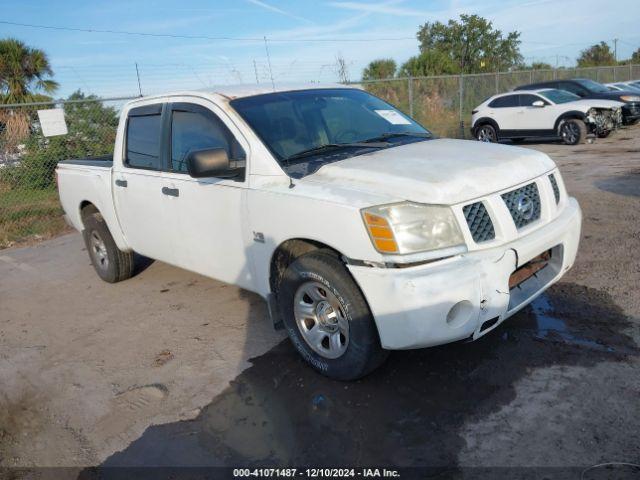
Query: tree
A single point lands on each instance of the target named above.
(427, 64)
(538, 66)
(381, 68)
(596, 55)
(635, 58)
(472, 44)
(25, 73)
(91, 132)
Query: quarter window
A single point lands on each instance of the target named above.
(143, 141)
(504, 102)
(196, 129)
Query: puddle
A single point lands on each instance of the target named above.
(627, 184)
(550, 327)
(414, 410)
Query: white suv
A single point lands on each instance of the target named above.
(544, 113)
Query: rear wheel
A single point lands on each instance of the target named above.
(573, 131)
(327, 318)
(110, 263)
(486, 133)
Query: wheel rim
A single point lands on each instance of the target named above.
(570, 132)
(99, 251)
(321, 320)
(486, 134)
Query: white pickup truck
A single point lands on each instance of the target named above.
(363, 231)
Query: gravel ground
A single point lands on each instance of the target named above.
(171, 368)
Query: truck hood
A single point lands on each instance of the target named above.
(586, 104)
(441, 171)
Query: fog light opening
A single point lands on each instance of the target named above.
(459, 314)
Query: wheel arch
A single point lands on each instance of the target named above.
(486, 121)
(573, 114)
(288, 251)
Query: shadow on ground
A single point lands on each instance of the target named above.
(627, 184)
(408, 413)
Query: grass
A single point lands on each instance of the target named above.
(29, 214)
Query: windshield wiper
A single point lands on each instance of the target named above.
(335, 146)
(388, 135)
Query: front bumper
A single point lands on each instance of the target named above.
(467, 295)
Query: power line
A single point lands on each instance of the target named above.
(206, 37)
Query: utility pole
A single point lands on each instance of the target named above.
(138, 75)
(255, 69)
(615, 49)
(266, 47)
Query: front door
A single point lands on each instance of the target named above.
(206, 214)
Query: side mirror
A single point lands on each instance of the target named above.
(538, 103)
(212, 162)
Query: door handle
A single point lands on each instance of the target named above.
(172, 192)
(121, 183)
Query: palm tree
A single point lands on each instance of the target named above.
(24, 73)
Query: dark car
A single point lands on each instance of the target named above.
(585, 88)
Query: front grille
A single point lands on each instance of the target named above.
(554, 185)
(479, 222)
(523, 204)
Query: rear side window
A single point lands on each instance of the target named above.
(144, 126)
(199, 129)
(506, 101)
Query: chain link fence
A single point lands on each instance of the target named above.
(444, 103)
(29, 206)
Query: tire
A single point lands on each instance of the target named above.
(486, 133)
(321, 305)
(573, 131)
(110, 263)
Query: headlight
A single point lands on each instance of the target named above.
(630, 98)
(411, 227)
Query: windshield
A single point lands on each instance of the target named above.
(324, 125)
(559, 96)
(592, 86)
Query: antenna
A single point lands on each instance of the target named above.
(138, 75)
(266, 47)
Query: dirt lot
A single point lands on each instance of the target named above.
(171, 368)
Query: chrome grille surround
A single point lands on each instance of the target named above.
(479, 222)
(523, 204)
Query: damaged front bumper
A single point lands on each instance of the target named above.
(602, 121)
(467, 295)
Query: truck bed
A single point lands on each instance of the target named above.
(104, 161)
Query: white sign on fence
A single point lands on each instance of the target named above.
(52, 122)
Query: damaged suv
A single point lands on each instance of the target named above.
(544, 113)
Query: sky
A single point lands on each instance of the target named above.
(303, 38)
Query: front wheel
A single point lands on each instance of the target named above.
(327, 317)
(573, 131)
(486, 133)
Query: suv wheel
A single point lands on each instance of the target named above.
(110, 263)
(486, 133)
(327, 317)
(573, 131)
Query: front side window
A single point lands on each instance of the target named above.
(573, 88)
(505, 102)
(528, 100)
(592, 86)
(308, 128)
(143, 141)
(559, 96)
(194, 129)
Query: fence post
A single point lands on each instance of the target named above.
(630, 71)
(410, 83)
(597, 74)
(461, 93)
(530, 76)
(614, 74)
(497, 83)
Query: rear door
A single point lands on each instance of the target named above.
(138, 182)
(206, 214)
(505, 112)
